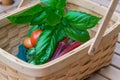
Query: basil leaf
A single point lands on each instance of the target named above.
(55, 4)
(60, 4)
(40, 19)
(26, 16)
(81, 20)
(45, 38)
(78, 35)
(47, 43)
(43, 41)
(52, 18)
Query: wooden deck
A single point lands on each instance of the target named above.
(112, 72)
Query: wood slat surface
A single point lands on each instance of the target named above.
(117, 49)
(116, 61)
(97, 77)
(106, 3)
(110, 72)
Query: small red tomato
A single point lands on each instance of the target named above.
(34, 36)
(27, 43)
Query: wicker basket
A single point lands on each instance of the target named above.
(76, 65)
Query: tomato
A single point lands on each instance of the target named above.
(27, 43)
(34, 36)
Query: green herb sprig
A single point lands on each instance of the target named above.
(56, 24)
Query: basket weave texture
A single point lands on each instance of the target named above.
(76, 65)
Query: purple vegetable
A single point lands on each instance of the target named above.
(70, 47)
(59, 48)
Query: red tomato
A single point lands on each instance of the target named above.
(27, 43)
(34, 36)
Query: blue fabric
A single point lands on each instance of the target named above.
(22, 51)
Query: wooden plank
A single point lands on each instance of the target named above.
(119, 37)
(97, 77)
(116, 61)
(117, 48)
(23, 3)
(18, 10)
(111, 73)
(106, 3)
(102, 2)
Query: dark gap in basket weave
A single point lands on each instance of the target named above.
(74, 65)
(6, 45)
(93, 67)
(110, 53)
(115, 37)
(74, 74)
(95, 60)
(113, 45)
(82, 72)
(61, 76)
(106, 48)
(104, 56)
(109, 60)
(84, 78)
(98, 52)
(101, 64)
(3, 36)
(86, 63)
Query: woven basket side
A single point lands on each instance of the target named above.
(86, 65)
(78, 70)
(11, 36)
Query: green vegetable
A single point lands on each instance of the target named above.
(26, 16)
(78, 35)
(39, 19)
(55, 4)
(81, 20)
(31, 54)
(47, 43)
(52, 15)
(56, 25)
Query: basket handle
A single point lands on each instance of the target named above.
(102, 27)
(22, 3)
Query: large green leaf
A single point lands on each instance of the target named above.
(26, 16)
(46, 44)
(55, 4)
(77, 35)
(40, 19)
(52, 17)
(81, 20)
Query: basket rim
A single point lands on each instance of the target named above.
(45, 69)
(52, 66)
